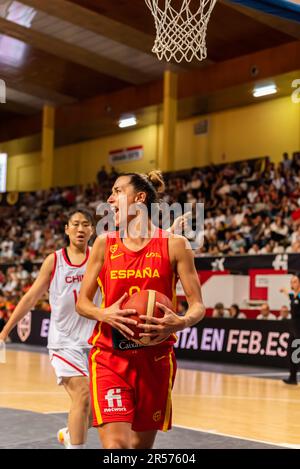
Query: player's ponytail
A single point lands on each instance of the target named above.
(157, 180)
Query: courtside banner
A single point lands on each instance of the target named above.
(242, 264)
(32, 329)
(125, 155)
(240, 341)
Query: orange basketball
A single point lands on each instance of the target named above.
(144, 302)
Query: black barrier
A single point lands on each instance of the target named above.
(240, 341)
(32, 329)
(242, 264)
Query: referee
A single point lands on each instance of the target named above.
(294, 297)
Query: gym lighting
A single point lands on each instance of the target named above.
(265, 90)
(128, 121)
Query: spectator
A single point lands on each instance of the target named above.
(113, 174)
(182, 307)
(287, 163)
(265, 313)
(219, 311)
(102, 176)
(235, 313)
(279, 231)
(284, 314)
(246, 209)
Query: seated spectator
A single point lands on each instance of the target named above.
(294, 248)
(219, 311)
(279, 231)
(254, 249)
(182, 308)
(295, 236)
(113, 174)
(102, 175)
(265, 313)
(284, 313)
(287, 163)
(235, 313)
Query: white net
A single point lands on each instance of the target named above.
(181, 31)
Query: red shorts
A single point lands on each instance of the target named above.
(133, 386)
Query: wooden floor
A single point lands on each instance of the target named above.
(252, 408)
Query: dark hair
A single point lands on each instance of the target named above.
(151, 183)
(237, 309)
(86, 213)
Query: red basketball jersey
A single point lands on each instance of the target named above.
(130, 271)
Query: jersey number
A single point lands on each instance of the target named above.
(133, 290)
(75, 296)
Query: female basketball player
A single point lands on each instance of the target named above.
(131, 385)
(62, 273)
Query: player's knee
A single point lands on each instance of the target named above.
(142, 441)
(116, 443)
(138, 444)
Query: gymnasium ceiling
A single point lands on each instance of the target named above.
(80, 54)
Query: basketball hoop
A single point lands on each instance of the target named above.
(181, 32)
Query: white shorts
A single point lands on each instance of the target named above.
(69, 362)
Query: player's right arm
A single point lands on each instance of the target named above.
(112, 315)
(29, 300)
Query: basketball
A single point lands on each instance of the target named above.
(144, 302)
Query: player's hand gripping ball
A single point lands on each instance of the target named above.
(144, 302)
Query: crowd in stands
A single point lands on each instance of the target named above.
(251, 207)
(233, 312)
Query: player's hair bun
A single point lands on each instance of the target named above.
(157, 180)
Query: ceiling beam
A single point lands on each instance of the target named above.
(237, 71)
(102, 25)
(95, 22)
(199, 83)
(48, 96)
(72, 53)
(280, 24)
(14, 106)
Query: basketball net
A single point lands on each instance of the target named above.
(180, 33)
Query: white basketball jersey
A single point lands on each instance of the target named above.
(67, 328)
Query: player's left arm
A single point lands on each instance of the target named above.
(186, 270)
(183, 256)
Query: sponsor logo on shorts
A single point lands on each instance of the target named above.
(114, 401)
(157, 416)
(115, 409)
